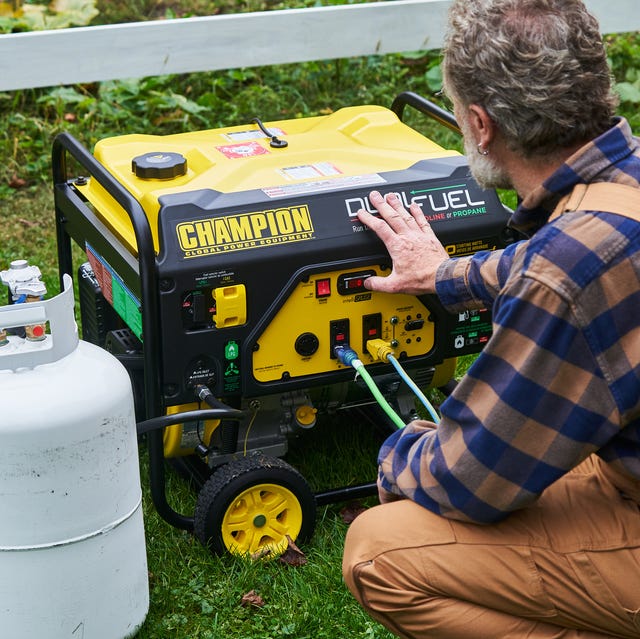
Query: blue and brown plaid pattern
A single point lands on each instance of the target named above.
(560, 377)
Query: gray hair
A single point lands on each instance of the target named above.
(538, 67)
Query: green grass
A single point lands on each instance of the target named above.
(194, 594)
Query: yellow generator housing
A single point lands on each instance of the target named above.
(232, 260)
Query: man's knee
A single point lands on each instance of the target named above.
(395, 529)
(368, 535)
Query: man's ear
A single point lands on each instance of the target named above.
(482, 126)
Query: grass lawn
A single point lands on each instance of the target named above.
(195, 595)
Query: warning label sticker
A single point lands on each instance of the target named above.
(310, 171)
(319, 186)
(243, 150)
(252, 134)
(116, 292)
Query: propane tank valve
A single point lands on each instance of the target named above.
(25, 286)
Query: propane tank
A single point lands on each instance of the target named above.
(72, 549)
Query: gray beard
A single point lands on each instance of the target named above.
(483, 170)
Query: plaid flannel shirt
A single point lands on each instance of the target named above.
(560, 377)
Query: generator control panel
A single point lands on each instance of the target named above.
(259, 257)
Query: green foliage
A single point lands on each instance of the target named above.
(58, 14)
(176, 104)
(140, 10)
(630, 91)
(624, 60)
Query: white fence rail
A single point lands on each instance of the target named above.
(89, 54)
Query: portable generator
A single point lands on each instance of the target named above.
(225, 266)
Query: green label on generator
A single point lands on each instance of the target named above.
(114, 290)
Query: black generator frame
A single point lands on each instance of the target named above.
(76, 219)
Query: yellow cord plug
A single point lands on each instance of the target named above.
(379, 349)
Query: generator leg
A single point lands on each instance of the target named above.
(157, 483)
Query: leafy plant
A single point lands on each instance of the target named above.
(58, 14)
(624, 56)
(175, 104)
(629, 89)
(137, 10)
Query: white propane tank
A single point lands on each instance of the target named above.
(72, 550)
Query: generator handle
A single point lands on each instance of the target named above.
(409, 98)
(65, 144)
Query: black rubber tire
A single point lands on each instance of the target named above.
(224, 488)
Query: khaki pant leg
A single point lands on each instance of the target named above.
(567, 567)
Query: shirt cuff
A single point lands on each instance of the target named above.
(452, 285)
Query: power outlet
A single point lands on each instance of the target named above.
(338, 334)
(371, 328)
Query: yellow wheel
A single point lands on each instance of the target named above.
(250, 506)
(260, 518)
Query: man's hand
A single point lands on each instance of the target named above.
(415, 251)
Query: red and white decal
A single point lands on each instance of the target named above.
(243, 150)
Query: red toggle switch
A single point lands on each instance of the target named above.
(323, 287)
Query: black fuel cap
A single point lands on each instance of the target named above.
(159, 165)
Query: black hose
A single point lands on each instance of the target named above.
(204, 394)
(228, 429)
(162, 421)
